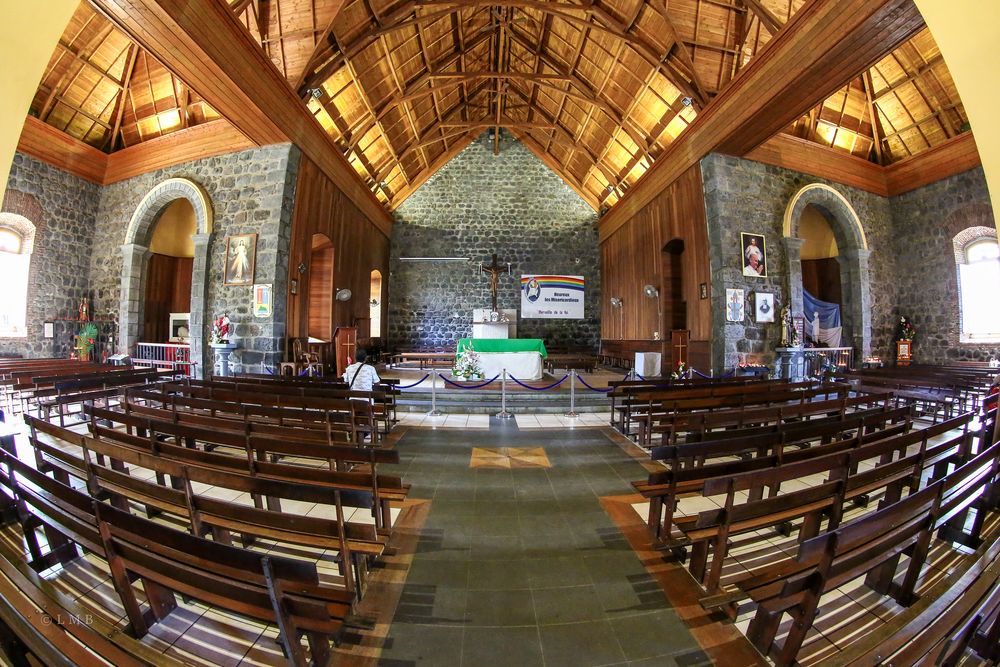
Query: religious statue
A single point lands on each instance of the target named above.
(787, 328)
(84, 310)
(494, 270)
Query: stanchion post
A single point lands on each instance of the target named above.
(572, 414)
(434, 409)
(503, 414)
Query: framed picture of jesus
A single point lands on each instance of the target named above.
(241, 252)
(754, 255)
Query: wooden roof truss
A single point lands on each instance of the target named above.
(597, 89)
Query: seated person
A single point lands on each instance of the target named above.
(361, 376)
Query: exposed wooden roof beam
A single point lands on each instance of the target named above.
(769, 20)
(204, 43)
(119, 112)
(877, 132)
(822, 47)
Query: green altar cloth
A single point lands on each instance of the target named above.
(502, 345)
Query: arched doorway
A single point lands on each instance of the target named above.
(375, 305)
(321, 288)
(168, 272)
(852, 258)
(135, 260)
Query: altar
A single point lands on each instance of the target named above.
(522, 357)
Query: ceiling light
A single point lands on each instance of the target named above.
(687, 101)
(315, 92)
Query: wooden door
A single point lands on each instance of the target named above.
(346, 339)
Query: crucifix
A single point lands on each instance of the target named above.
(494, 270)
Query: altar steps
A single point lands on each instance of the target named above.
(487, 401)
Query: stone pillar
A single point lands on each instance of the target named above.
(793, 251)
(199, 297)
(134, 258)
(856, 307)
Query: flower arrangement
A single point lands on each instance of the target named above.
(85, 340)
(468, 365)
(906, 329)
(222, 328)
(681, 372)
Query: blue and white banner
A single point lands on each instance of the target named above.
(552, 297)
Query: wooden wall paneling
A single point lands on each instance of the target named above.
(215, 138)
(168, 290)
(808, 157)
(954, 156)
(358, 245)
(44, 142)
(633, 257)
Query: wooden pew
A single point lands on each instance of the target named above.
(81, 389)
(259, 456)
(663, 488)
(365, 420)
(869, 547)
(357, 542)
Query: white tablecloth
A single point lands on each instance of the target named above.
(522, 365)
(647, 364)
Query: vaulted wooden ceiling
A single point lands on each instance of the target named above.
(595, 88)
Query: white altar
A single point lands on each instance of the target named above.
(483, 327)
(522, 365)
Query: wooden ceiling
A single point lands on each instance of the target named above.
(595, 88)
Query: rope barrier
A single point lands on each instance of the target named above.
(411, 386)
(640, 377)
(526, 386)
(477, 386)
(584, 383)
(700, 374)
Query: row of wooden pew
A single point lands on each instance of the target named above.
(49, 386)
(929, 478)
(278, 448)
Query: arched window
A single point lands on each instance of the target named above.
(375, 305)
(978, 258)
(15, 258)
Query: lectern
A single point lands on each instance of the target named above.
(346, 340)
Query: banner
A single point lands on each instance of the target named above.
(552, 297)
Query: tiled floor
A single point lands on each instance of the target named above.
(523, 566)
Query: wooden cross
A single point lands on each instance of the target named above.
(494, 270)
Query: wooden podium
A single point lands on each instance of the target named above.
(345, 340)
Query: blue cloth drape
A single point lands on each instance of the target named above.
(829, 317)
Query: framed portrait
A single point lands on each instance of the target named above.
(763, 306)
(753, 254)
(241, 251)
(735, 308)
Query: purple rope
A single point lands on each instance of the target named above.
(700, 374)
(584, 383)
(462, 386)
(640, 377)
(410, 386)
(554, 384)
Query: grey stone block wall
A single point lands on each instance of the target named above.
(927, 221)
(511, 204)
(745, 196)
(58, 275)
(250, 191)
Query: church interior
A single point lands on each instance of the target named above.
(499, 332)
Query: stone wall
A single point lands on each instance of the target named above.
(745, 196)
(511, 204)
(250, 191)
(926, 221)
(63, 208)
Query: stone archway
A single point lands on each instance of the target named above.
(853, 259)
(135, 254)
